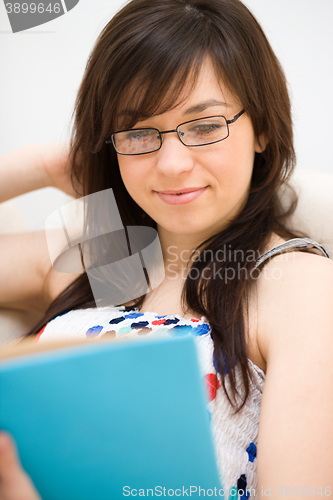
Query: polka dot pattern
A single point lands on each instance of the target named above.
(180, 330)
(94, 331)
(133, 315)
(129, 324)
(158, 321)
(124, 330)
(212, 384)
(115, 321)
(139, 325)
(252, 452)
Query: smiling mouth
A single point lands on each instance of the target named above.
(187, 195)
(182, 191)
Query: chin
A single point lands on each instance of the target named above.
(183, 228)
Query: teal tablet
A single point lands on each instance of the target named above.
(111, 420)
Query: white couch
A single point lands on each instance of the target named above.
(313, 216)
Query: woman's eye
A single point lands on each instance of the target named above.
(206, 128)
(139, 135)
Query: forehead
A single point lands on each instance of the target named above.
(209, 86)
(193, 95)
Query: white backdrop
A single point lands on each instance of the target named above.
(41, 70)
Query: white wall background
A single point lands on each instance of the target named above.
(41, 69)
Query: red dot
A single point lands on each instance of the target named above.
(39, 334)
(158, 321)
(212, 384)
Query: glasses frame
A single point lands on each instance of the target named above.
(160, 133)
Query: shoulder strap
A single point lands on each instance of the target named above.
(289, 246)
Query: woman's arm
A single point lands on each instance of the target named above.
(295, 336)
(27, 280)
(24, 265)
(33, 167)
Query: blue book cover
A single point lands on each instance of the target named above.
(110, 420)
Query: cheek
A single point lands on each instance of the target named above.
(125, 174)
(134, 176)
(231, 164)
(242, 153)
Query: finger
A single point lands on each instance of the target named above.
(9, 462)
(15, 484)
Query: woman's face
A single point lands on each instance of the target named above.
(217, 175)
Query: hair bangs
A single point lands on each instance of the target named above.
(151, 72)
(146, 97)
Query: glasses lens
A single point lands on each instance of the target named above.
(204, 131)
(134, 142)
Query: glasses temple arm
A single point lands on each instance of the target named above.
(236, 117)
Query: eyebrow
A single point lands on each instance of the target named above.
(204, 105)
(198, 108)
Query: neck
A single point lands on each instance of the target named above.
(177, 250)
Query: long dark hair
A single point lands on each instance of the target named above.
(144, 58)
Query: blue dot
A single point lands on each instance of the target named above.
(217, 364)
(180, 330)
(133, 315)
(124, 330)
(201, 329)
(171, 322)
(252, 451)
(115, 321)
(241, 482)
(139, 324)
(94, 331)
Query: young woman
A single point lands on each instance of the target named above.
(184, 112)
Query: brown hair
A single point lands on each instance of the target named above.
(146, 55)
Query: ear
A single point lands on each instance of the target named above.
(261, 143)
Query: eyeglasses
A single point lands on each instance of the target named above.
(200, 132)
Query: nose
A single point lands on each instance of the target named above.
(174, 157)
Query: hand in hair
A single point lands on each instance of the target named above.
(55, 162)
(33, 167)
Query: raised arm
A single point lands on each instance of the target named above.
(27, 280)
(33, 167)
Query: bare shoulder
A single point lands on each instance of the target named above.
(300, 272)
(293, 293)
(291, 270)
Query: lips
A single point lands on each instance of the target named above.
(181, 196)
(180, 191)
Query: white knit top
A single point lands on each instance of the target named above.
(235, 435)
